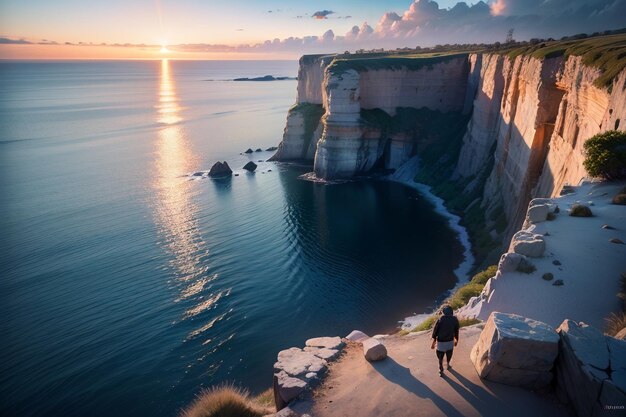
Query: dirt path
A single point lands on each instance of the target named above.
(407, 384)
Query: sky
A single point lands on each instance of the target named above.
(280, 29)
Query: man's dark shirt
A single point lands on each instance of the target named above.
(446, 329)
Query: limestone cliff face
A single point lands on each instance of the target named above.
(529, 120)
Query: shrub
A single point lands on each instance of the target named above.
(483, 276)
(620, 199)
(468, 322)
(526, 266)
(463, 294)
(615, 323)
(223, 401)
(551, 216)
(578, 210)
(606, 155)
(548, 276)
(426, 324)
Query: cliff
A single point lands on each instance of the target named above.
(492, 130)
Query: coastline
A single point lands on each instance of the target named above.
(405, 175)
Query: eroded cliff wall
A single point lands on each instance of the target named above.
(529, 119)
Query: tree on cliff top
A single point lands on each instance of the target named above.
(606, 155)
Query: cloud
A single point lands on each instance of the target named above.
(322, 14)
(9, 41)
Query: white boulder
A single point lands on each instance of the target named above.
(509, 262)
(326, 342)
(538, 213)
(296, 362)
(357, 336)
(288, 387)
(528, 244)
(374, 350)
(515, 350)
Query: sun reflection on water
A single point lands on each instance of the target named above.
(176, 213)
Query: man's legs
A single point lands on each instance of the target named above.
(440, 357)
(448, 357)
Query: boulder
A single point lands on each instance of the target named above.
(326, 342)
(515, 350)
(250, 166)
(509, 262)
(374, 350)
(538, 213)
(259, 150)
(271, 149)
(220, 169)
(591, 369)
(287, 387)
(249, 150)
(357, 336)
(296, 362)
(528, 244)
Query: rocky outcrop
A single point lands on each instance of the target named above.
(298, 370)
(250, 166)
(591, 370)
(220, 169)
(515, 350)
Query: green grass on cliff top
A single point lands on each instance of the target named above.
(390, 61)
(608, 53)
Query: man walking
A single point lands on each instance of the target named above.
(445, 336)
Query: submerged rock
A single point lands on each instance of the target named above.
(250, 166)
(220, 169)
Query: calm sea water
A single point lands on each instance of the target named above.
(126, 286)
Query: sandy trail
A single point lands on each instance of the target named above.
(407, 384)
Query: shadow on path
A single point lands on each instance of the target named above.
(400, 375)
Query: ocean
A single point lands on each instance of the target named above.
(127, 283)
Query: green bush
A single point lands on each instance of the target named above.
(426, 324)
(224, 401)
(578, 210)
(548, 276)
(606, 155)
(463, 294)
(483, 276)
(468, 322)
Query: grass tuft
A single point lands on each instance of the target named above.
(615, 322)
(224, 401)
(579, 210)
(526, 267)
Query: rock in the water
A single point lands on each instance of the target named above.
(297, 362)
(607, 227)
(250, 166)
(249, 150)
(289, 387)
(326, 342)
(538, 213)
(259, 150)
(616, 240)
(558, 282)
(220, 169)
(374, 350)
(590, 369)
(528, 244)
(357, 336)
(509, 262)
(271, 149)
(197, 174)
(515, 350)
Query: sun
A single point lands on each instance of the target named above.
(164, 49)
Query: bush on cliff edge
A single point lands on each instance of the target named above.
(606, 155)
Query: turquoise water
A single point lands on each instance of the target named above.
(127, 285)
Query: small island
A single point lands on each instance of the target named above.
(265, 78)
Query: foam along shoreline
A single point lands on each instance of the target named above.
(405, 175)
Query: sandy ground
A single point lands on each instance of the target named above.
(407, 383)
(590, 265)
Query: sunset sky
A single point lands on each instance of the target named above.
(279, 29)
